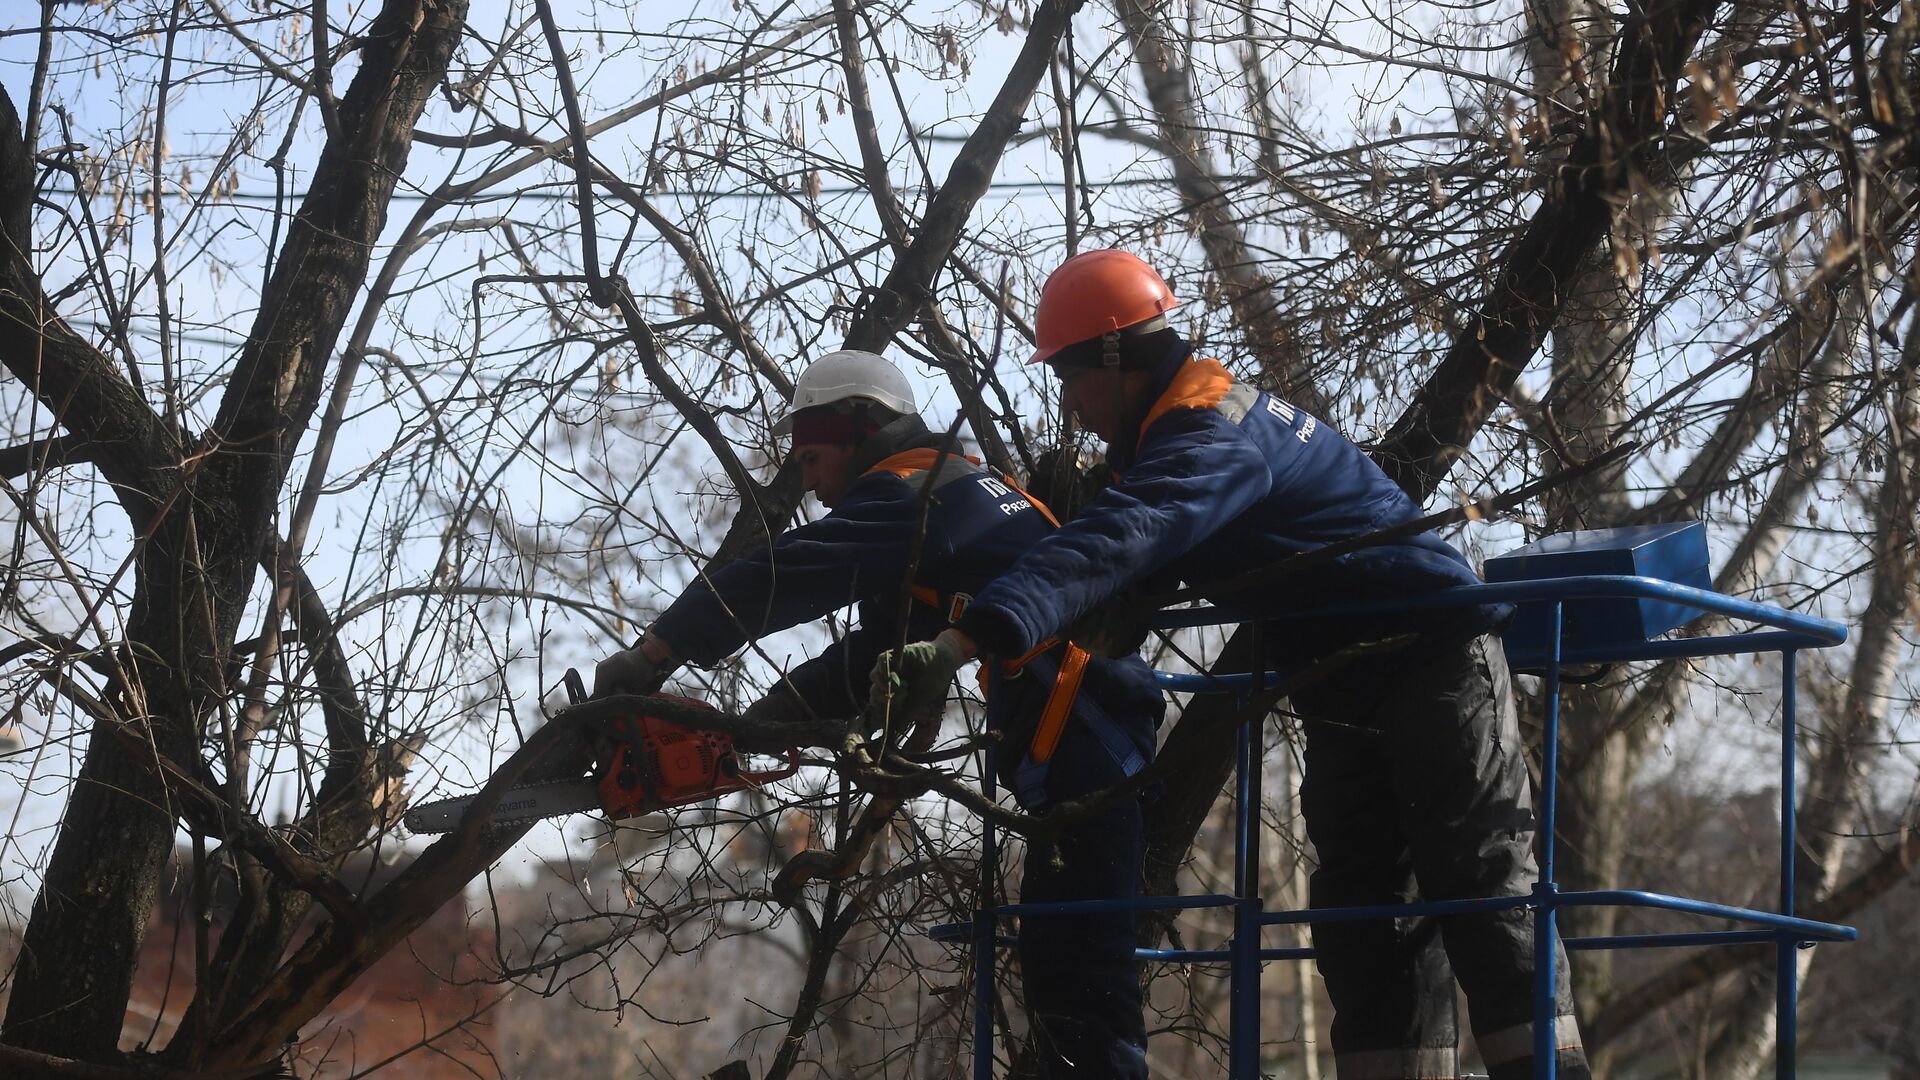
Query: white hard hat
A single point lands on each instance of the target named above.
(844, 375)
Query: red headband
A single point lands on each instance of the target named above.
(828, 426)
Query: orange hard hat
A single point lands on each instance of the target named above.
(1096, 293)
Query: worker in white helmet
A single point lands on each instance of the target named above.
(1070, 724)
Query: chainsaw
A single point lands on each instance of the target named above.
(644, 763)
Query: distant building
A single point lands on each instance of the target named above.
(427, 1002)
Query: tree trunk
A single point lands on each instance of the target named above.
(203, 530)
(93, 903)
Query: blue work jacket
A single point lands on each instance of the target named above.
(977, 525)
(1225, 480)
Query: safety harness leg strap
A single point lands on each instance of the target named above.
(1030, 778)
(1053, 719)
(1064, 695)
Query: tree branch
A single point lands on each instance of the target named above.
(337, 954)
(908, 285)
(1533, 284)
(1254, 298)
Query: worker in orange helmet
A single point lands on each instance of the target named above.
(1415, 781)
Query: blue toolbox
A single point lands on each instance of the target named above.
(1675, 552)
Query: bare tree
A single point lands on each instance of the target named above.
(417, 359)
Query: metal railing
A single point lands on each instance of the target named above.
(1786, 632)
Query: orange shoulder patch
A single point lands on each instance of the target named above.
(907, 462)
(1201, 384)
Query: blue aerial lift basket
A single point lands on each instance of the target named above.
(1605, 596)
(1675, 552)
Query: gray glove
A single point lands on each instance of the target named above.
(919, 688)
(628, 672)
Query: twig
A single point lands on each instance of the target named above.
(597, 289)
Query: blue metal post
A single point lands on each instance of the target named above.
(1790, 632)
(1544, 1007)
(1787, 969)
(1244, 1021)
(983, 932)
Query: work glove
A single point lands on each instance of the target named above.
(919, 688)
(628, 672)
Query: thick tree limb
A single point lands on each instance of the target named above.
(84, 391)
(278, 885)
(909, 284)
(337, 954)
(873, 160)
(275, 387)
(196, 558)
(1534, 279)
(1254, 297)
(50, 453)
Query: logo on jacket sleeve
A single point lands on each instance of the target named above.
(1287, 414)
(1012, 503)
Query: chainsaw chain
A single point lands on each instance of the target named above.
(512, 807)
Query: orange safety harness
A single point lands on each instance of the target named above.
(1073, 664)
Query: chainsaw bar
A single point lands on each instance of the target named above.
(529, 803)
(645, 764)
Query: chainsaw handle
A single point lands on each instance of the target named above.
(576, 687)
(768, 777)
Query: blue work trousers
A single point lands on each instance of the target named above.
(1082, 983)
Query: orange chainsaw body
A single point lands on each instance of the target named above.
(652, 764)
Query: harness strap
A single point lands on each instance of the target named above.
(1012, 667)
(1053, 719)
(1030, 778)
(955, 604)
(1045, 510)
(1064, 695)
(910, 463)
